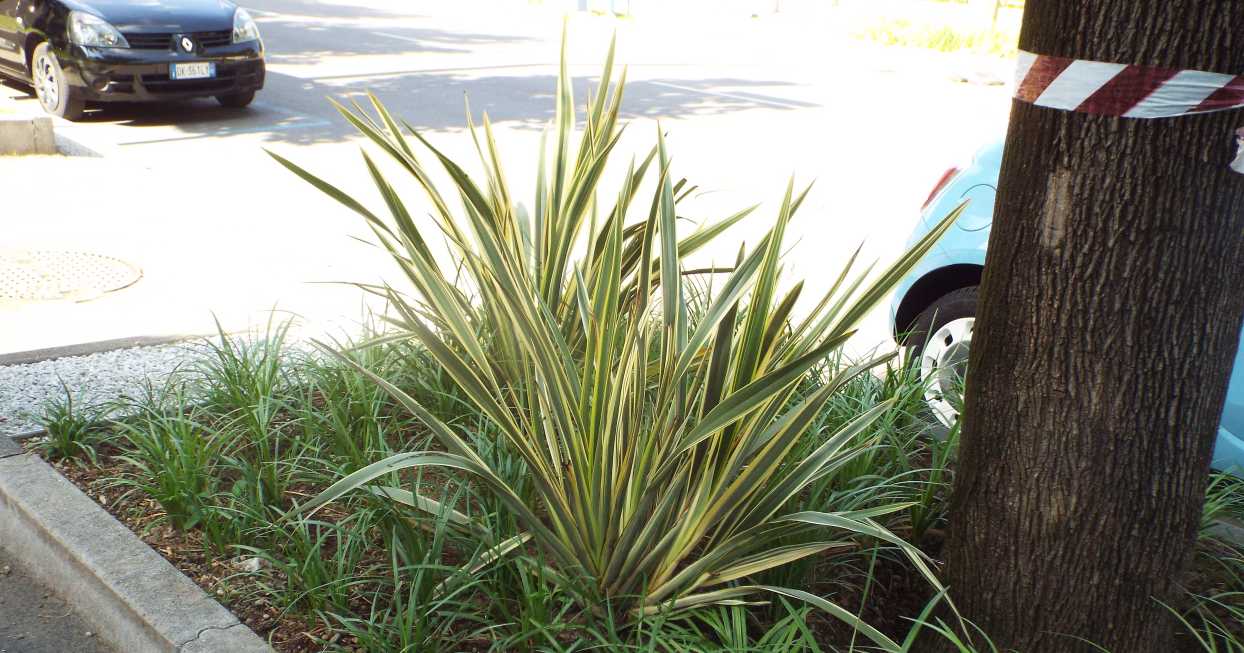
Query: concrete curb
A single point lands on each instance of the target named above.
(27, 131)
(9, 447)
(70, 147)
(87, 348)
(135, 599)
(22, 135)
(24, 435)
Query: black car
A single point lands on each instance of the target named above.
(78, 51)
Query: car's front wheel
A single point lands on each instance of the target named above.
(939, 343)
(54, 93)
(236, 100)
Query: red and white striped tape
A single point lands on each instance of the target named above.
(1113, 89)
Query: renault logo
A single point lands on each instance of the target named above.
(187, 44)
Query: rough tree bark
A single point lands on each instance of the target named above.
(1111, 310)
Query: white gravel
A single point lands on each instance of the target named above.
(92, 379)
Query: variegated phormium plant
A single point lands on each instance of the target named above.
(659, 445)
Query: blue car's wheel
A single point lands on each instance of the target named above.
(940, 342)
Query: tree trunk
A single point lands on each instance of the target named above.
(1111, 308)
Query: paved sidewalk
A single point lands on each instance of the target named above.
(194, 257)
(186, 195)
(33, 620)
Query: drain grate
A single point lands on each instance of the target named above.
(49, 275)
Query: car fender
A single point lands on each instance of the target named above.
(957, 248)
(1233, 409)
(46, 24)
(1228, 452)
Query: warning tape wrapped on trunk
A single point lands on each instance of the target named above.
(1123, 90)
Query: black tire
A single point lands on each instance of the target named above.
(940, 407)
(55, 95)
(952, 306)
(236, 100)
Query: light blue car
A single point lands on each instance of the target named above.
(935, 306)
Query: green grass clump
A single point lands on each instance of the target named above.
(72, 430)
(174, 461)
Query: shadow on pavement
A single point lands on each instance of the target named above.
(349, 40)
(437, 102)
(321, 9)
(293, 109)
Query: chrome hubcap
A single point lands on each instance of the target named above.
(46, 85)
(943, 364)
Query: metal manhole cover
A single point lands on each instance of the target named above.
(47, 275)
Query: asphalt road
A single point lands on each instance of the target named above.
(186, 191)
(33, 620)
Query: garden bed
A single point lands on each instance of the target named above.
(236, 583)
(271, 583)
(225, 579)
(263, 569)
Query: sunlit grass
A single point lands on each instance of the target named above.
(938, 26)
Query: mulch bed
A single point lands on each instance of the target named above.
(894, 590)
(223, 579)
(894, 594)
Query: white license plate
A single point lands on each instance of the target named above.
(197, 70)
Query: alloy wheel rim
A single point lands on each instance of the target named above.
(943, 364)
(46, 85)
